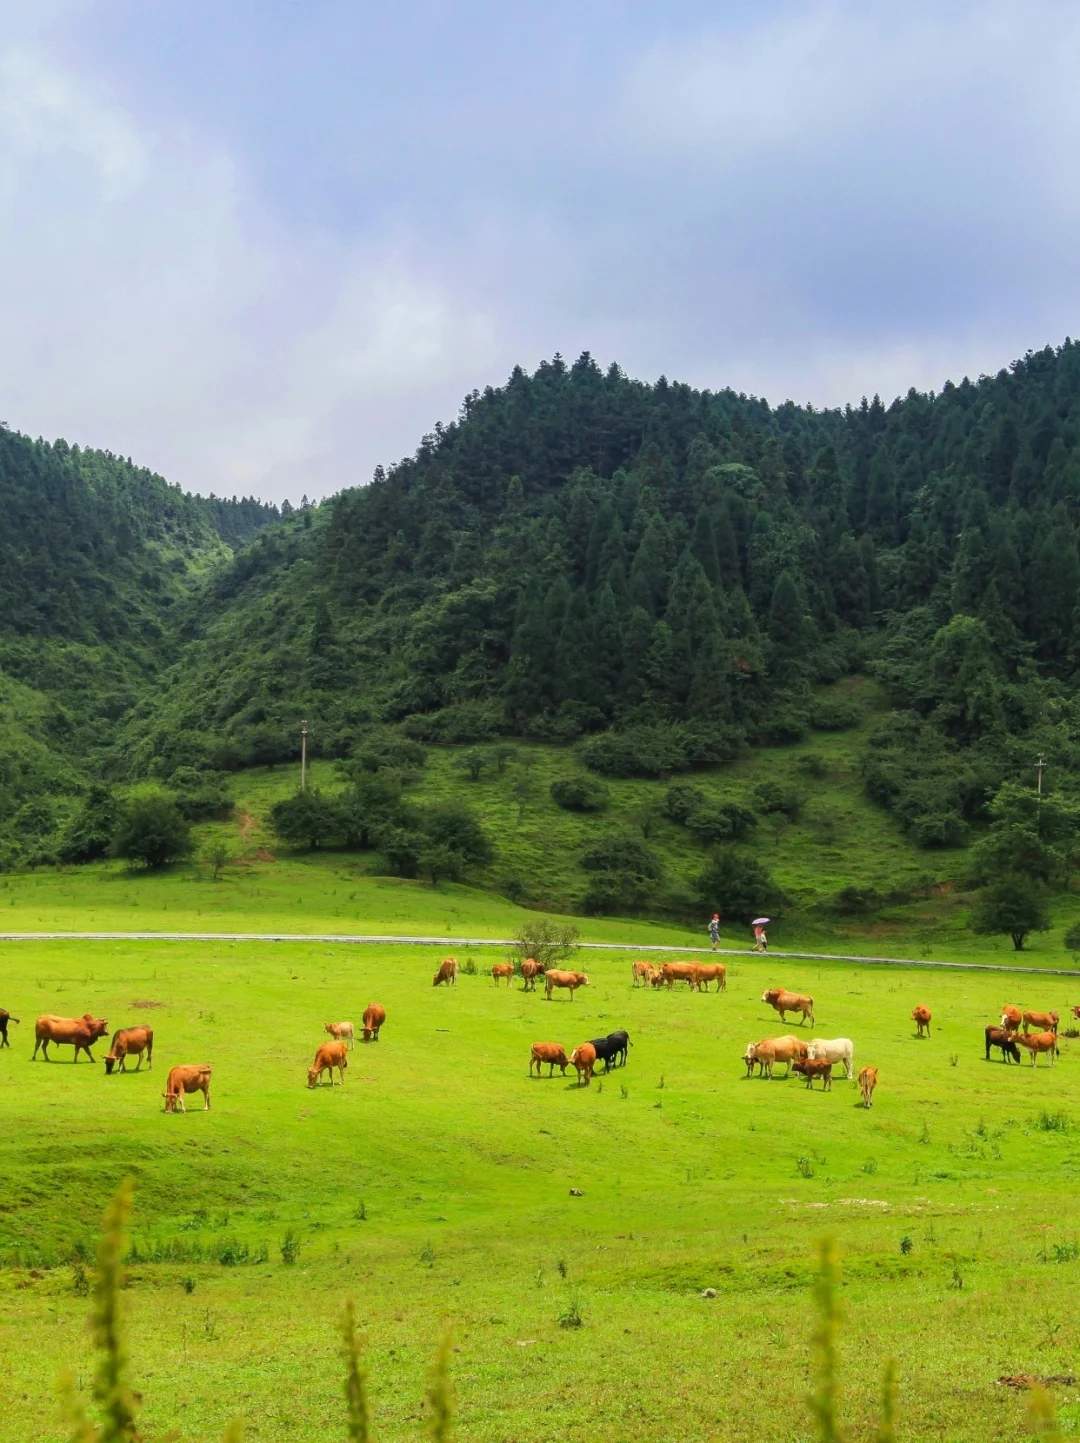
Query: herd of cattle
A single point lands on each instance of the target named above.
(1036, 1032)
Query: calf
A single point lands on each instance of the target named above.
(1001, 1037)
(552, 1054)
(373, 1019)
(867, 1083)
(921, 1018)
(341, 1032)
(812, 1067)
(186, 1079)
(447, 972)
(130, 1041)
(1044, 1021)
(833, 1049)
(706, 972)
(530, 970)
(502, 969)
(1037, 1042)
(329, 1056)
(5, 1018)
(570, 980)
(643, 973)
(583, 1060)
(783, 1002)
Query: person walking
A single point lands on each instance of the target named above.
(714, 930)
(761, 941)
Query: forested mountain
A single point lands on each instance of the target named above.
(96, 555)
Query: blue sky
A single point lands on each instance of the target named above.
(265, 246)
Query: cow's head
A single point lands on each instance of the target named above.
(170, 1101)
(98, 1026)
(312, 1076)
(584, 980)
(110, 1063)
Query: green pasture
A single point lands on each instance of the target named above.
(434, 1189)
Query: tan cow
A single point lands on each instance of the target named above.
(673, 972)
(447, 972)
(921, 1018)
(502, 969)
(783, 1002)
(583, 1059)
(771, 1050)
(341, 1032)
(1037, 1042)
(130, 1041)
(552, 1054)
(530, 971)
(643, 973)
(570, 980)
(187, 1078)
(1011, 1018)
(706, 972)
(77, 1032)
(329, 1056)
(867, 1083)
(373, 1019)
(1044, 1021)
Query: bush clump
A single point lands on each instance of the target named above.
(580, 794)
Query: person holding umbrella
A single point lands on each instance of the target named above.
(761, 942)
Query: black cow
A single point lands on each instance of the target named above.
(998, 1037)
(5, 1018)
(623, 1040)
(606, 1048)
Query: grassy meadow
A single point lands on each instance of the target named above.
(434, 1189)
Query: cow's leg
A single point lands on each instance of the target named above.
(206, 1095)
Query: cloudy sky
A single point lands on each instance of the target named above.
(263, 245)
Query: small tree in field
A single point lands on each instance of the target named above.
(306, 819)
(549, 942)
(216, 857)
(1013, 905)
(151, 832)
(473, 763)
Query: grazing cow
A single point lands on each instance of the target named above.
(1001, 1037)
(833, 1049)
(447, 972)
(812, 1067)
(643, 973)
(706, 972)
(657, 978)
(783, 1002)
(583, 1059)
(921, 1018)
(1011, 1018)
(5, 1018)
(341, 1032)
(1044, 1021)
(530, 971)
(1075, 1012)
(1037, 1042)
(867, 1083)
(373, 1019)
(622, 1039)
(552, 1054)
(329, 1056)
(128, 1041)
(771, 1050)
(605, 1049)
(79, 1032)
(680, 972)
(502, 969)
(188, 1078)
(570, 980)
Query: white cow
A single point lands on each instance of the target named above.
(833, 1049)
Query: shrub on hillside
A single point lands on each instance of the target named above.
(151, 832)
(643, 751)
(580, 794)
(389, 751)
(737, 884)
(830, 714)
(372, 803)
(710, 744)
(773, 797)
(722, 822)
(781, 726)
(306, 819)
(625, 873)
(469, 721)
(201, 795)
(812, 765)
(682, 799)
(89, 834)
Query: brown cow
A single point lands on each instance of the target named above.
(329, 1056)
(1005, 1040)
(5, 1018)
(127, 1041)
(771, 1050)
(341, 1032)
(1011, 1018)
(816, 1067)
(373, 1019)
(706, 972)
(1075, 1012)
(187, 1078)
(1037, 1042)
(643, 973)
(867, 1083)
(1044, 1021)
(447, 972)
(783, 1002)
(530, 970)
(503, 969)
(583, 1058)
(552, 1054)
(657, 978)
(673, 972)
(79, 1032)
(570, 980)
(921, 1018)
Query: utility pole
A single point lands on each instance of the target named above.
(303, 755)
(1040, 767)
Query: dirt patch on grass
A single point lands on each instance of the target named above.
(146, 1002)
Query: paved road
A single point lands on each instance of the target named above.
(355, 938)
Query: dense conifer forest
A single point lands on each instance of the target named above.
(659, 576)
